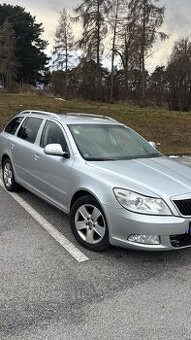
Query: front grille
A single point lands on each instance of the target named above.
(184, 206)
(180, 240)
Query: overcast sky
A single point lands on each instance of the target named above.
(177, 22)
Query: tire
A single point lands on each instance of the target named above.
(8, 176)
(88, 224)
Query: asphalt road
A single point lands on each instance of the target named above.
(46, 294)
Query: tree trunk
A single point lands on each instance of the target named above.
(66, 66)
(143, 43)
(113, 50)
(98, 32)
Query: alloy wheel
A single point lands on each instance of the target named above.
(90, 223)
(8, 175)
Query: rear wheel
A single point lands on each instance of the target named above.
(88, 224)
(8, 176)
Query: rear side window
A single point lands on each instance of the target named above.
(29, 129)
(13, 125)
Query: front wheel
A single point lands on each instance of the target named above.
(8, 176)
(88, 224)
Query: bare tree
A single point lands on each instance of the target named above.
(148, 18)
(64, 41)
(114, 22)
(126, 41)
(92, 14)
(64, 44)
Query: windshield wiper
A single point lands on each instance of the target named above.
(99, 159)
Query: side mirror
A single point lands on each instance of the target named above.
(153, 144)
(55, 150)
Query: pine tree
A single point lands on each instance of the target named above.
(29, 45)
(179, 76)
(8, 61)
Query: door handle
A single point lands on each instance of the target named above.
(36, 156)
(12, 146)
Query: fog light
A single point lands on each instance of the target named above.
(145, 239)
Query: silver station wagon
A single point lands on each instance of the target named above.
(116, 187)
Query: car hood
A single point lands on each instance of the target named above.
(158, 175)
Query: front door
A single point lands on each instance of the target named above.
(53, 172)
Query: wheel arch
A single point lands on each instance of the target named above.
(5, 156)
(80, 193)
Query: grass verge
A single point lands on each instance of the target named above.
(169, 128)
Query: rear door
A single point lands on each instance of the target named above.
(23, 150)
(7, 137)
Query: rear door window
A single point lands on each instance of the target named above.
(13, 125)
(29, 129)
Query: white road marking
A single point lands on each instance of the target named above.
(62, 240)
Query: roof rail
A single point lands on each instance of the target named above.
(76, 114)
(44, 113)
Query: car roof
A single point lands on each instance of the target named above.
(71, 117)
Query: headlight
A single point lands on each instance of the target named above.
(141, 204)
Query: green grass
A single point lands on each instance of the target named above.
(169, 128)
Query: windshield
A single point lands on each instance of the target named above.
(110, 142)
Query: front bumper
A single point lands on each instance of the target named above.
(122, 224)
